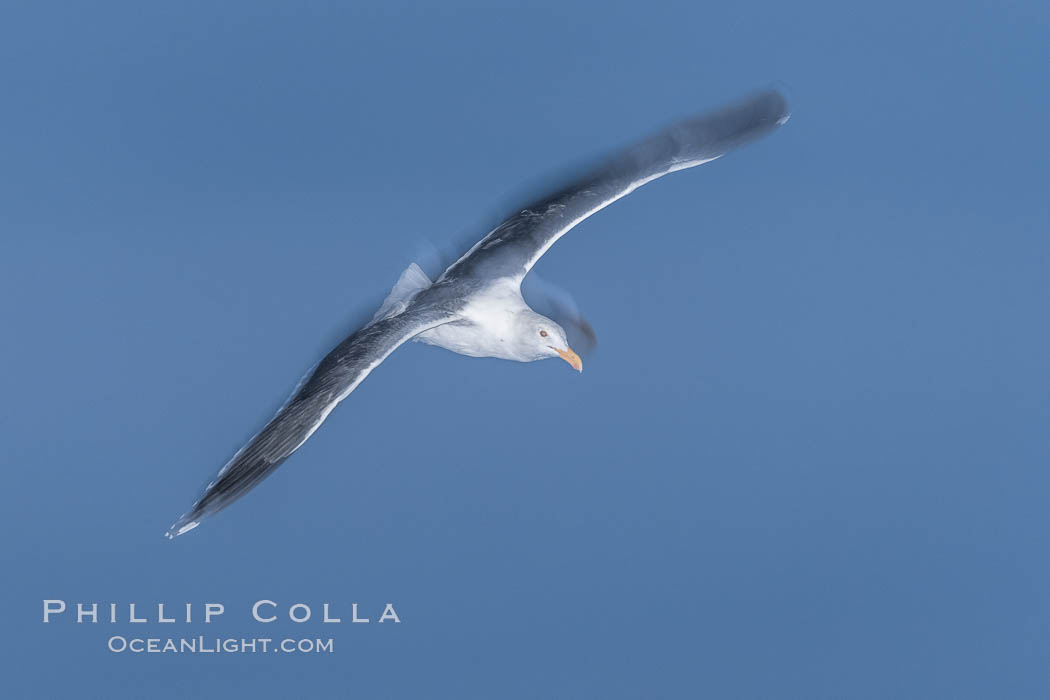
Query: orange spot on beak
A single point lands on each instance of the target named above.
(571, 357)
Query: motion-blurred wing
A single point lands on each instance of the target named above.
(514, 246)
(331, 381)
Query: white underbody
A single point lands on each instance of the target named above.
(487, 325)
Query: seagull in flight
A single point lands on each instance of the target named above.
(476, 307)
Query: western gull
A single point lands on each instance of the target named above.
(476, 307)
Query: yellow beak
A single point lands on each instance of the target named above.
(572, 358)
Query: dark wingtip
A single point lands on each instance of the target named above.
(772, 104)
(769, 107)
(186, 522)
(783, 107)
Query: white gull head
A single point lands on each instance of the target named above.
(537, 337)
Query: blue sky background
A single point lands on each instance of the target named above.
(809, 458)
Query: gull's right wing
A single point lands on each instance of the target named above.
(513, 247)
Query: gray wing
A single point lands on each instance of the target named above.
(513, 247)
(331, 381)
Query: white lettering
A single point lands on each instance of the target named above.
(132, 618)
(291, 613)
(255, 610)
(213, 610)
(389, 614)
(83, 612)
(50, 608)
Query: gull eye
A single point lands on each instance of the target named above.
(543, 334)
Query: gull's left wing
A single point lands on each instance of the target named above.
(331, 381)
